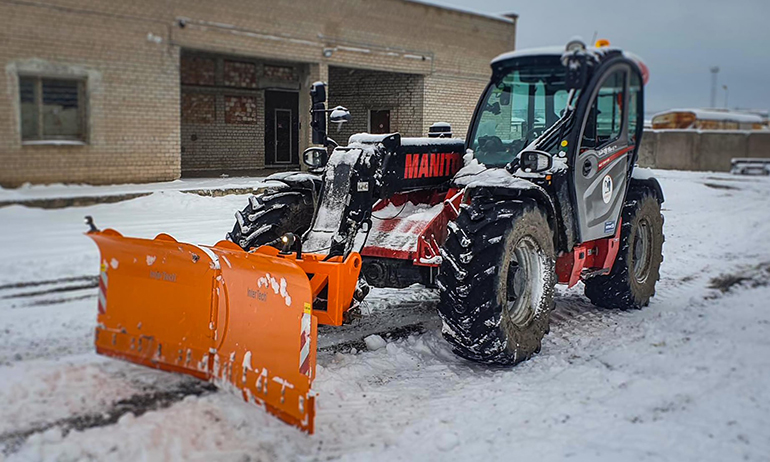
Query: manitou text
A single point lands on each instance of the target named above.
(431, 165)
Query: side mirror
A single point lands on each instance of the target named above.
(315, 158)
(535, 161)
(339, 115)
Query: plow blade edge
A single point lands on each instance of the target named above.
(241, 320)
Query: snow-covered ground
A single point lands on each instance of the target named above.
(687, 378)
(29, 192)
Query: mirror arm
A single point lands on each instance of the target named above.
(513, 165)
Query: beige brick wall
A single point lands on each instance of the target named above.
(451, 99)
(133, 97)
(128, 53)
(361, 91)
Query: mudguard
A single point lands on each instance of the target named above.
(643, 177)
(241, 320)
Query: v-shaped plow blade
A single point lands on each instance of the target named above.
(238, 319)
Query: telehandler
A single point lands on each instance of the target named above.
(542, 190)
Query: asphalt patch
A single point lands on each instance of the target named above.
(752, 276)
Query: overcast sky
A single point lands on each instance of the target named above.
(678, 39)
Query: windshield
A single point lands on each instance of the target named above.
(516, 110)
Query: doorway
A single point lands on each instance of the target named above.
(281, 128)
(379, 122)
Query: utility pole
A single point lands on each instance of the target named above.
(714, 71)
(726, 94)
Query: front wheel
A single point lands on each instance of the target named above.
(496, 281)
(636, 270)
(270, 215)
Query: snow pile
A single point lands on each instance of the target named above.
(375, 342)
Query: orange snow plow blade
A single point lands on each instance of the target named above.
(238, 319)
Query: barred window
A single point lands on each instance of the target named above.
(52, 109)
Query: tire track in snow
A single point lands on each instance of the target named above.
(22, 285)
(137, 404)
(48, 292)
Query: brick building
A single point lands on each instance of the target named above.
(99, 91)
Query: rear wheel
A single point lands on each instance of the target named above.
(270, 215)
(496, 281)
(636, 270)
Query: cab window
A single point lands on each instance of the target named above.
(634, 91)
(517, 109)
(605, 118)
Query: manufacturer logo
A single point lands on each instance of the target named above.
(431, 165)
(607, 189)
(605, 162)
(609, 227)
(606, 150)
(163, 276)
(256, 294)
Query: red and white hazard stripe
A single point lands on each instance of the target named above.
(304, 350)
(103, 288)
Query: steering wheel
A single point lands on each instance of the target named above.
(491, 143)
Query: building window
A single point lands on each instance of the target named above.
(240, 110)
(198, 108)
(239, 74)
(379, 122)
(279, 72)
(196, 70)
(52, 109)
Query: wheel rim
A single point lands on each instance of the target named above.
(642, 251)
(524, 272)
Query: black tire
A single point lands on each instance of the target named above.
(270, 215)
(636, 270)
(477, 281)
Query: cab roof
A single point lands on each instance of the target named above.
(552, 51)
(599, 54)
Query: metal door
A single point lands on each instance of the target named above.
(379, 121)
(603, 155)
(281, 128)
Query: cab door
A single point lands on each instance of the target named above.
(602, 158)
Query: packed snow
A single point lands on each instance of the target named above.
(398, 227)
(687, 378)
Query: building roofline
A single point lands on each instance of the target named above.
(507, 17)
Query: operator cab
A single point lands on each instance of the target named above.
(568, 118)
(536, 92)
